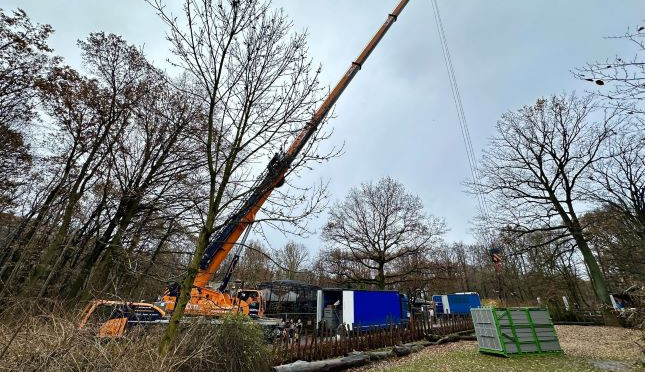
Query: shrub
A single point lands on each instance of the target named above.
(51, 342)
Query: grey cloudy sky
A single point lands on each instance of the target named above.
(397, 117)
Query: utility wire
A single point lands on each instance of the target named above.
(463, 124)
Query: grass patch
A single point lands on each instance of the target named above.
(470, 360)
(587, 349)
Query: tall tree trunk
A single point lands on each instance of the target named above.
(381, 276)
(184, 293)
(46, 265)
(597, 280)
(125, 213)
(155, 253)
(595, 273)
(91, 259)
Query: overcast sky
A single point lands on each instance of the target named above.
(397, 117)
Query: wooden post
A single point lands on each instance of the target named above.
(329, 344)
(415, 331)
(437, 326)
(427, 324)
(357, 342)
(323, 351)
(314, 344)
(375, 338)
(299, 351)
(304, 346)
(442, 323)
(396, 334)
(336, 349)
(276, 352)
(343, 340)
(385, 332)
(285, 343)
(347, 340)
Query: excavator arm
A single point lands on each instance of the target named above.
(225, 239)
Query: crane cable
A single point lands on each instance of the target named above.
(463, 124)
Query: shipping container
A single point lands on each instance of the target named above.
(360, 308)
(456, 303)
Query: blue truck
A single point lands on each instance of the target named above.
(360, 308)
(456, 303)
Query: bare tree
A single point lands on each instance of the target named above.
(151, 164)
(93, 113)
(621, 80)
(618, 179)
(24, 58)
(292, 260)
(620, 250)
(376, 226)
(535, 168)
(254, 265)
(259, 87)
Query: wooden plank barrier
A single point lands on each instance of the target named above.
(325, 343)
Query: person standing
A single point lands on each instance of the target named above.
(292, 331)
(298, 329)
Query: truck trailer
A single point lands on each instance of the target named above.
(360, 308)
(456, 303)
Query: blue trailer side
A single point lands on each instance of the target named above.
(405, 307)
(361, 308)
(461, 303)
(376, 308)
(456, 303)
(438, 304)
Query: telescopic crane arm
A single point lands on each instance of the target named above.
(225, 239)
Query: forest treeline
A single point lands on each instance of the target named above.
(115, 175)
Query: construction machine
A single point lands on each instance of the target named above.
(212, 302)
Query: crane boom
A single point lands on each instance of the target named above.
(220, 246)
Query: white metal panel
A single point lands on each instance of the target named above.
(486, 329)
(348, 308)
(319, 307)
(446, 304)
(613, 302)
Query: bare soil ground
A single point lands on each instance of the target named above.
(590, 349)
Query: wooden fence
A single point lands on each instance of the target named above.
(326, 344)
(587, 316)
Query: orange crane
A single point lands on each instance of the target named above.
(206, 301)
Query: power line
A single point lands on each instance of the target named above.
(463, 124)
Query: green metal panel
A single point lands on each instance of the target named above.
(515, 331)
